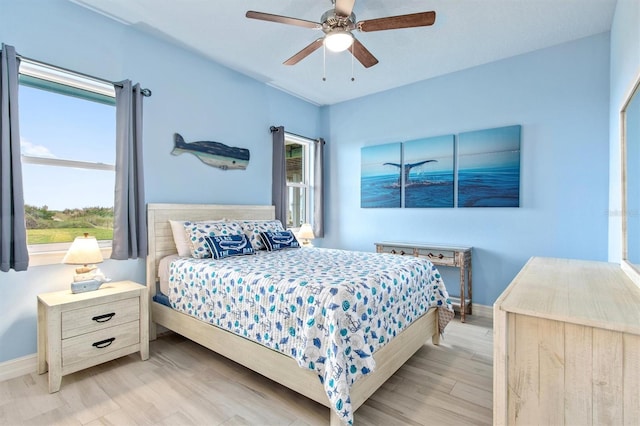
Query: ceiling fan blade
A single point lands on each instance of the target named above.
(282, 19)
(361, 53)
(304, 52)
(421, 19)
(344, 7)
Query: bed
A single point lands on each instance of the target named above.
(274, 362)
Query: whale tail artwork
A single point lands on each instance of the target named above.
(213, 154)
(407, 169)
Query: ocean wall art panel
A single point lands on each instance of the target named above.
(489, 168)
(380, 177)
(428, 172)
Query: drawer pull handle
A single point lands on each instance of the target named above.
(402, 253)
(103, 318)
(439, 256)
(393, 251)
(104, 343)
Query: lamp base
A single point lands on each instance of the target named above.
(83, 286)
(306, 243)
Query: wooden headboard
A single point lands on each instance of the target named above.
(160, 238)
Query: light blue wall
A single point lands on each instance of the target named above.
(625, 69)
(559, 95)
(191, 95)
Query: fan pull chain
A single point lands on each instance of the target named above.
(352, 76)
(324, 62)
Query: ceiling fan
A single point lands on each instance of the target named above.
(338, 24)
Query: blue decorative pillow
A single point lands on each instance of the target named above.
(277, 240)
(253, 228)
(197, 231)
(228, 245)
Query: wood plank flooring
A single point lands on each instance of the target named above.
(185, 384)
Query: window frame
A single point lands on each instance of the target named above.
(54, 78)
(308, 172)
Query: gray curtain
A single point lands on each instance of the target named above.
(279, 178)
(130, 225)
(318, 188)
(13, 232)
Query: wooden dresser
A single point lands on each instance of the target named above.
(567, 346)
(441, 255)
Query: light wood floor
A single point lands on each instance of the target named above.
(185, 384)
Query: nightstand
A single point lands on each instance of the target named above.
(77, 331)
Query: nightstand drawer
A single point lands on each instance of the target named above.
(98, 317)
(441, 257)
(90, 345)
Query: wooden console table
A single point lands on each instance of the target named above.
(442, 255)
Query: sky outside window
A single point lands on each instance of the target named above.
(53, 125)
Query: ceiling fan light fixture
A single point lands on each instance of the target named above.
(338, 40)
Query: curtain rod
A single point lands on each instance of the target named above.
(145, 92)
(275, 129)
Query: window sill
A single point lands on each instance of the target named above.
(55, 257)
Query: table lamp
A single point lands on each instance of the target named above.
(305, 234)
(84, 251)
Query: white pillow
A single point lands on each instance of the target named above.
(180, 238)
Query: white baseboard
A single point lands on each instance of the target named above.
(18, 367)
(482, 311)
(477, 310)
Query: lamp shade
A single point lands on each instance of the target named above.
(83, 250)
(306, 232)
(338, 40)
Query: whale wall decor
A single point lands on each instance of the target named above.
(213, 154)
(421, 173)
(416, 173)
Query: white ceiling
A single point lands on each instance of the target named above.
(466, 33)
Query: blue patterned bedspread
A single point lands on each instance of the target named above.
(328, 309)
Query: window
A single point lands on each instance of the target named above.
(299, 165)
(67, 130)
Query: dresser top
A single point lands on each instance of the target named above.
(595, 294)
